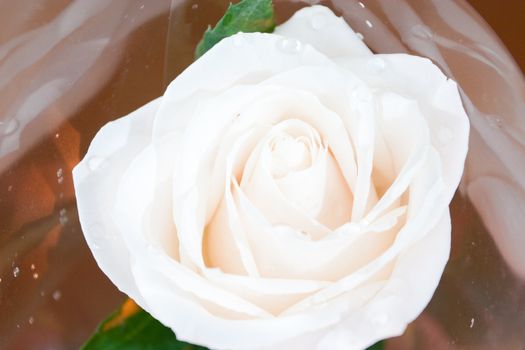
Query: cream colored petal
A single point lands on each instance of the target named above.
(407, 292)
(137, 189)
(320, 27)
(438, 99)
(284, 252)
(242, 59)
(195, 324)
(406, 134)
(335, 90)
(431, 198)
(95, 179)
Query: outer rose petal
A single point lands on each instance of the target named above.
(321, 28)
(95, 177)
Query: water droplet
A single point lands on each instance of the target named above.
(445, 135)
(141, 7)
(238, 40)
(359, 35)
(369, 24)
(11, 127)
(35, 275)
(194, 6)
(60, 177)
(95, 162)
(376, 65)
(57, 135)
(363, 94)
(63, 218)
(0, 279)
(494, 121)
(421, 31)
(31, 320)
(97, 236)
(318, 21)
(471, 323)
(33, 267)
(16, 271)
(361, 4)
(290, 45)
(57, 295)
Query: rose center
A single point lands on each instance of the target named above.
(289, 154)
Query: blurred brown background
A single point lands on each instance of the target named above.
(506, 17)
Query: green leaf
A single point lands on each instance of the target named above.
(377, 346)
(246, 16)
(131, 328)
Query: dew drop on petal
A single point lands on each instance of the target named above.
(318, 21)
(31, 320)
(290, 45)
(359, 35)
(16, 271)
(35, 275)
(95, 162)
(361, 4)
(97, 236)
(376, 65)
(33, 267)
(369, 24)
(194, 6)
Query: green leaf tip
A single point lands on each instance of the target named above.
(246, 16)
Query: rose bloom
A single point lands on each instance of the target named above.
(288, 191)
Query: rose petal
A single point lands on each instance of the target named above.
(320, 27)
(95, 178)
(438, 99)
(244, 58)
(402, 299)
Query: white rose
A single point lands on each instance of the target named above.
(288, 191)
